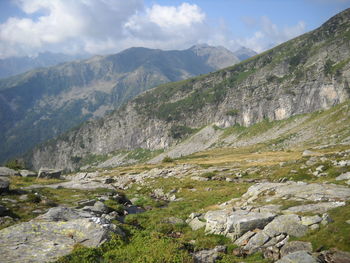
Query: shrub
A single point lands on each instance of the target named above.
(168, 159)
(15, 164)
(232, 112)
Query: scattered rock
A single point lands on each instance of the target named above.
(298, 257)
(293, 246)
(49, 173)
(256, 242)
(243, 240)
(199, 178)
(4, 171)
(344, 176)
(208, 256)
(326, 219)
(307, 153)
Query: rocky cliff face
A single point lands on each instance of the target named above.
(303, 75)
(44, 103)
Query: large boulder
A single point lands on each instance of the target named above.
(295, 246)
(298, 257)
(286, 224)
(49, 173)
(4, 171)
(27, 173)
(53, 235)
(4, 184)
(235, 224)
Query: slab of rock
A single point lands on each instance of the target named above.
(286, 224)
(334, 256)
(256, 242)
(49, 173)
(295, 246)
(196, 224)
(27, 173)
(4, 185)
(63, 214)
(298, 257)
(344, 176)
(4, 171)
(314, 208)
(43, 240)
(208, 256)
(243, 240)
(236, 223)
(310, 220)
(298, 191)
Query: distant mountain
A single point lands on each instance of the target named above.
(306, 74)
(244, 53)
(16, 65)
(43, 103)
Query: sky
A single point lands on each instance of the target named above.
(28, 27)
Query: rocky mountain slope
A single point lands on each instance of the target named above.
(303, 75)
(41, 104)
(244, 53)
(15, 65)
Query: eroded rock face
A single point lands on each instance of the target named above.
(53, 235)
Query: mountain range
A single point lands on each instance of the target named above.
(43, 103)
(306, 74)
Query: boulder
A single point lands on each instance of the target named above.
(314, 208)
(4, 185)
(344, 176)
(196, 224)
(235, 224)
(49, 173)
(4, 171)
(310, 220)
(52, 235)
(208, 256)
(334, 256)
(27, 173)
(256, 242)
(298, 257)
(286, 224)
(295, 246)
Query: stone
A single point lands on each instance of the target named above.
(343, 176)
(98, 208)
(309, 153)
(52, 235)
(310, 220)
(173, 220)
(256, 242)
(314, 208)
(27, 173)
(298, 257)
(326, 219)
(235, 224)
(49, 173)
(208, 256)
(243, 240)
(196, 224)
(288, 224)
(334, 256)
(315, 227)
(199, 178)
(4, 185)
(4, 171)
(294, 246)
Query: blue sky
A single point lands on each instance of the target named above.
(109, 26)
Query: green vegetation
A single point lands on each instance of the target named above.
(15, 164)
(180, 131)
(232, 112)
(167, 159)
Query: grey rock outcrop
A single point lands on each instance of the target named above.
(27, 173)
(295, 246)
(53, 235)
(49, 173)
(208, 256)
(298, 257)
(4, 171)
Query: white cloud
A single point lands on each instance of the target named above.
(108, 26)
